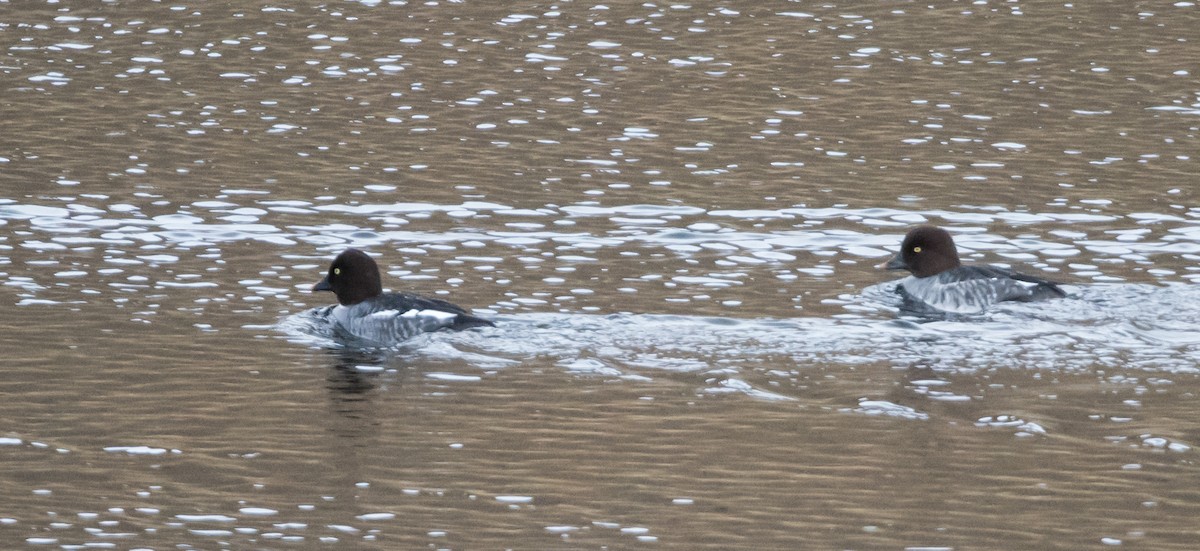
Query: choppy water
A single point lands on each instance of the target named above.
(672, 211)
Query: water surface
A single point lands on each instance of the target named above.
(672, 211)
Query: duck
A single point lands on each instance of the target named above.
(365, 312)
(939, 282)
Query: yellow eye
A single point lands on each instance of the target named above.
(337, 271)
(916, 249)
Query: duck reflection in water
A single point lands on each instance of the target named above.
(355, 372)
(354, 382)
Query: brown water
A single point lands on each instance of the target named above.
(672, 211)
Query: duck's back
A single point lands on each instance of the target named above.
(393, 317)
(972, 289)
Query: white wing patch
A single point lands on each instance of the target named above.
(383, 314)
(437, 315)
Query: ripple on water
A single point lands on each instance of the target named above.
(684, 231)
(1127, 328)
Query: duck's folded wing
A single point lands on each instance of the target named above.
(972, 289)
(404, 315)
(1039, 288)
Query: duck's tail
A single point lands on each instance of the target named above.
(467, 321)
